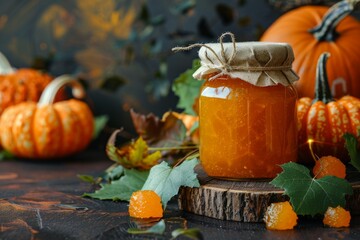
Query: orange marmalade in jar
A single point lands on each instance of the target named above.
(247, 111)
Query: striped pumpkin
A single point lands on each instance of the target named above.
(45, 129)
(322, 121)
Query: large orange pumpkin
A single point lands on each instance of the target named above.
(323, 121)
(312, 30)
(47, 130)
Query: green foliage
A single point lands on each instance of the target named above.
(114, 172)
(158, 228)
(99, 125)
(163, 179)
(192, 233)
(310, 196)
(194, 127)
(4, 155)
(166, 181)
(187, 88)
(121, 189)
(351, 144)
(89, 179)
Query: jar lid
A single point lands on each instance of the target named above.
(259, 63)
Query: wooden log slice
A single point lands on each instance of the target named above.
(244, 201)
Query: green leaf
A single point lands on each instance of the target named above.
(192, 233)
(310, 196)
(351, 144)
(4, 154)
(114, 172)
(166, 181)
(194, 127)
(158, 228)
(89, 179)
(100, 123)
(187, 88)
(121, 189)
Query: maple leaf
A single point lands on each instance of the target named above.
(351, 144)
(166, 181)
(188, 89)
(133, 155)
(169, 131)
(310, 196)
(121, 189)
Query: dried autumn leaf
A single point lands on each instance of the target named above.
(147, 126)
(170, 131)
(134, 155)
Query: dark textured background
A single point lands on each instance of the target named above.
(122, 48)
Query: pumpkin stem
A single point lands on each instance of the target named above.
(322, 88)
(326, 30)
(5, 67)
(49, 93)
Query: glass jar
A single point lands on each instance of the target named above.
(248, 124)
(246, 131)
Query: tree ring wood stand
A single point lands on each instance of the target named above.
(244, 201)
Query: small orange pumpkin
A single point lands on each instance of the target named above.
(323, 121)
(312, 30)
(19, 85)
(22, 85)
(47, 130)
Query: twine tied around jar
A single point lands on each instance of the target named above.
(226, 64)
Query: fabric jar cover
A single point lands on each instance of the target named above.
(259, 63)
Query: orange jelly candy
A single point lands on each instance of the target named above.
(280, 216)
(246, 131)
(337, 217)
(145, 204)
(329, 166)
